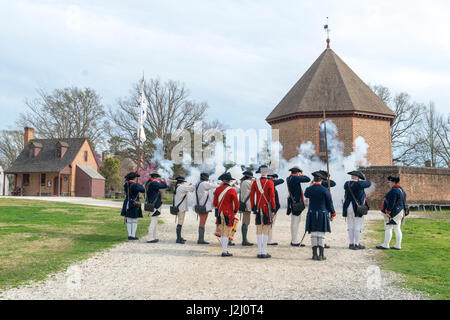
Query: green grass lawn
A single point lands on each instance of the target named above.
(38, 238)
(424, 258)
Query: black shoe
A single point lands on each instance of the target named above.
(202, 242)
(260, 256)
(295, 244)
(153, 241)
(226, 254)
(266, 256)
(247, 244)
(321, 256)
(180, 241)
(351, 247)
(134, 238)
(315, 256)
(360, 247)
(382, 248)
(130, 238)
(230, 243)
(394, 248)
(273, 244)
(326, 246)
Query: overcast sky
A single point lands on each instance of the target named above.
(241, 57)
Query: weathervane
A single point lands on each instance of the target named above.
(328, 34)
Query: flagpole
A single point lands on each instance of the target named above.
(326, 150)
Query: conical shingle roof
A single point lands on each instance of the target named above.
(330, 85)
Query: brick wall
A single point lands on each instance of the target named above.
(422, 185)
(377, 134)
(79, 160)
(290, 137)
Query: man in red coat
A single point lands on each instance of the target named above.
(227, 203)
(262, 200)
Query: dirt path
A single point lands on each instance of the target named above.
(166, 270)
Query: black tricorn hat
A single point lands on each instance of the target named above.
(295, 170)
(273, 175)
(248, 173)
(131, 176)
(325, 173)
(155, 175)
(204, 176)
(394, 179)
(226, 177)
(259, 169)
(358, 174)
(320, 174)
(180, 179)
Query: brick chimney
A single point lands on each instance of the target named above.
(28, 135)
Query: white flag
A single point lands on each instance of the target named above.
(142, 115)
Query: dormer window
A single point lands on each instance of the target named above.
(61, 148)
(35, 148)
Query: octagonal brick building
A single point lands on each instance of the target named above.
(330, 85)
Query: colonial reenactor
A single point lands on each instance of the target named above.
(245, 205)
(227, 204)
(153, 188)
(262, 200)
(204, 204)
(355, 196)
(131, 208)
(319, 212)
(296, 201)
(393, 208)
(180, 195)
(276, 182)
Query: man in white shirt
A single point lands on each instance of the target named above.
(204, 198)
(180, 196)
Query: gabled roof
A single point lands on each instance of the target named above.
(329, 85)
(91, 172)
(46, 161)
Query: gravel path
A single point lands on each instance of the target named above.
(166, 270)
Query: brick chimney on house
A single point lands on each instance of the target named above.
(28, 135)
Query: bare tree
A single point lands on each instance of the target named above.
(443, 134)
(11, 144)
(65, 113)
(408, 118)
(170, 109)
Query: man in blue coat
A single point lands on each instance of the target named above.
(131, 208)
(294, 184)
(153, 188)
(276, 181)
(354, 196)
(319, 212)
(393, 208)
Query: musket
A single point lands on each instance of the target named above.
(326, 152)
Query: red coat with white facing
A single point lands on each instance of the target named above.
(229, 204)
(262, 199)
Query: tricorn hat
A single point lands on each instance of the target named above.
(261, 167)
(394, 179)
(131, 176)
(180, 179)
(358, 174)
(265, 170)
(247, 175)
(204, 176)
(325, 173)
(320, 174)
(295, 170)
(226, 177)
(273, 175)
(155, 175)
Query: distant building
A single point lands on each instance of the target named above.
(56, 167)
(330, 85)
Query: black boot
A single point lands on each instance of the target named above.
(201, 236)
(321, 256)
(179, 238)
(244, 236)
(314, 250)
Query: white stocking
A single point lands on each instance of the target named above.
(259, 239)
(351, 235)
(357, 237)
(224, 241)
(398, 237)
(264, 241)
(152, 229)
(387, 236)
(133, 229)
(129, 229)
(295, 223)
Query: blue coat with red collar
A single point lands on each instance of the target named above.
(153, 188)
(128, 209)
(320, 208)
(358, 190)
(294, 183)
(394, 202)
